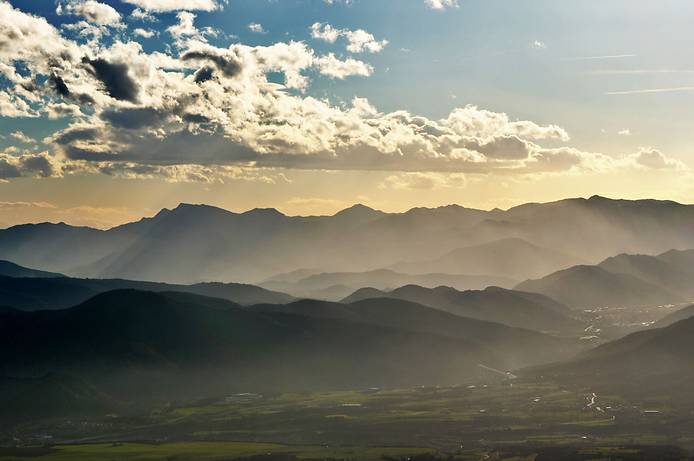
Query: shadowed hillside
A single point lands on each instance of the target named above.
(10, 269)
(517, 346)
(58, 293)
(514, 308)
(128, 344)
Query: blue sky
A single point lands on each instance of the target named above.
(616, 77)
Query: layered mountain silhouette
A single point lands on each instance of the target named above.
(516, 345)
(648, 364)
(514, 258)
(624, 280)
(36, 293)
(337, 285)
(10, 269)
(129, 344)
(514, 308)
(197, 243)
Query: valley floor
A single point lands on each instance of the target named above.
(499, 420)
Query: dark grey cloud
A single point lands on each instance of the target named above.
(179, 148)
(8, 170)
(502, 147)
(117, 82)
(38, 165)
(133, 119)
(59, 85)
(76, 134)
(195, 118)
(204, 74)
(228, 66)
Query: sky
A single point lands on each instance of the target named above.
(113, 109)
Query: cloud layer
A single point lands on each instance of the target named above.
(204, 112)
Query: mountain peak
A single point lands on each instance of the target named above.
(359, 211)
(358, 208)
(599, 198)
(265, 212)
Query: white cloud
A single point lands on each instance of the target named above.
(93, 11)
(21, 137)
(653, 159)
(139, 14)
(325, 32)
(256, 28)
(358, 41)
(185, 26)
(441, 4)
(144, 33)
(162, 6)
(332, 67)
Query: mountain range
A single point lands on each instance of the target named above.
(197, 243)
(514, 258)
(514, 308)
(31, 293)
(622, 281)
(136, 345)
(337, 285)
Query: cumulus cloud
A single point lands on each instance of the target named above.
(163, 6)
(358, 41)
(93, 11)
(21, 137)
(144, 33)
(441, 4)
(257, 28)
(335, 68)
(115, 78)
(201, 112)
(27, 164)
(653, 159)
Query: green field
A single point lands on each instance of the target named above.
(509, 420)
(207, 451)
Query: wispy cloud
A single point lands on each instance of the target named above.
(599, 58)
(640, 71)
(651, 91)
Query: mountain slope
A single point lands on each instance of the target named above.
(159, 345)
(509, 257)
(644, 364)
(59, 293)
(10, 269)
(682, 314)
(518, 347)
(513, 308)
(624, 280)
(672, 271)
